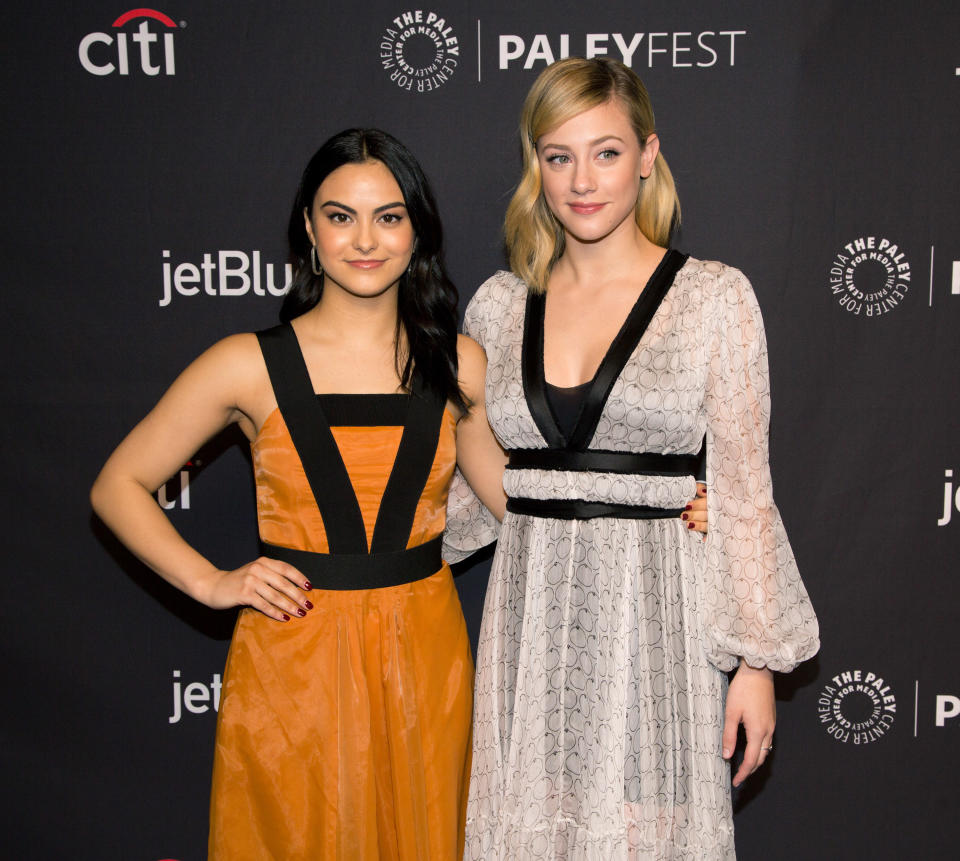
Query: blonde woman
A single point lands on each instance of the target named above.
(603, 722)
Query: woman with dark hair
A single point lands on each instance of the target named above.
(604, 723)
(344, 722)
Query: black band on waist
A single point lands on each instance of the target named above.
(580, 509)
(627, 462)
(361, 570)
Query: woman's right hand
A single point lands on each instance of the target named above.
(275, 588)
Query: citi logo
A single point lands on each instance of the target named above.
(106, 54)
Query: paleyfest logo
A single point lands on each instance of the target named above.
(106, 53)
(676, 49)
(870, 276)
(857, 706)
(419, 51)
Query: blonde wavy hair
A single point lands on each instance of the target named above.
(534, 237)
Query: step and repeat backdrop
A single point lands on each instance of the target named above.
(150, 160)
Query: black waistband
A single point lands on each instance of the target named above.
(580, 509)
(627, 462)
(361, 570)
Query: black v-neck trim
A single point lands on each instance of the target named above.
(611, 366)
(534, 383)
(367, 410)
(410, 472)
(323, 464)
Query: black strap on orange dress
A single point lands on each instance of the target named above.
(569, 452)
(349, 565)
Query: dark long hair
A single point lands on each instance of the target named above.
(427, 299)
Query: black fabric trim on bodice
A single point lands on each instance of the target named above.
(305, 416)
(567, 446)
(354, 411)
(602, 460)
(611, 366)
(361, 570)
(580, 509)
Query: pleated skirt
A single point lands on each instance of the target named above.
(597, 732)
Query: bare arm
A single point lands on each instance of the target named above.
(202, 401)
(479, 456)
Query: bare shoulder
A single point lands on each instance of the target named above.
(469, 351)
(229, 375)
(235, 353)
(471, 368)
(234, 362)
(471, 360)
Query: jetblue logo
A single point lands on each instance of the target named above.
(113, 54)
(223, 273)
(195, 698)
(951, 498)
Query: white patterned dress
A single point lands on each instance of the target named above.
(608, 626)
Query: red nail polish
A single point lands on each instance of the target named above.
(301, 611)
(684, 516)
(308, 605)
(307, 585)
(286, 618)
(691, 525)
(688, 507)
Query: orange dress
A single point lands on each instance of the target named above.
(346, 734)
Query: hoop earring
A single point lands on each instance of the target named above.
(315, 261)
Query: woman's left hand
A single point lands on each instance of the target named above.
(695, 514)
(750, 701)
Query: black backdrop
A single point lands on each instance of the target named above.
(148, 171)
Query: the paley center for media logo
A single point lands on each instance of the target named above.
(147, 48)
(857, 706)
(870, 276)
(419, 50)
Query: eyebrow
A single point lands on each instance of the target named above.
(352, 211)
(592, 143)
